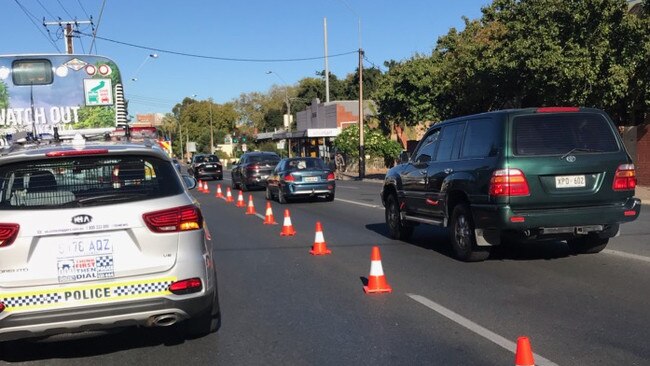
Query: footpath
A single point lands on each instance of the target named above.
(642, 192)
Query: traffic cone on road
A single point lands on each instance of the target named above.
(250, 210)
(240, 200)
(206, 188)
(200, 186)
(524, 353)
(319, 247)
(287, 227)
(219, 194)
(268, 216)
(376, 280)
(228, 195)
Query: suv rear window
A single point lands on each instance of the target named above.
(206, 159)
(268, 159)
(85, 181)
(557, 134)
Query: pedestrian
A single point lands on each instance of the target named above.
(331, 165)
(340, 165)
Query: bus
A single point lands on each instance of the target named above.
(40, 92)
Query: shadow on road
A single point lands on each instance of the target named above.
(70, 346)
(437, 239)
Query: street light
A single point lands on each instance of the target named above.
(151, 55)
(287, 101)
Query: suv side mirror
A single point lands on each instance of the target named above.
(190, 182)
(404, 157)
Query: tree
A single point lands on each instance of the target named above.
(376, 144)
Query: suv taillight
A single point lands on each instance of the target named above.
(289, 178)
(624, 178)
(8, 233)
(508, 182)
(174, 219)
(253, 167)
(331, 176)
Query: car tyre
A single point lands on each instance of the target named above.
(329, 197)
(397, 228)
(587, 245)
(463, 239)
(268, 195)
(281, 197)
(242, 186)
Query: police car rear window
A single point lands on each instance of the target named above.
(85, 181)
(560, 133)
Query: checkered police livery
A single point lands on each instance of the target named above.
(32, 300)
(104, 261)
(142, 288)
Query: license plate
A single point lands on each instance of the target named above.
(311, 179)
(209, 166)
(570, 181)
(85, 259)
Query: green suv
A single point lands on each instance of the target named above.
(558, 173)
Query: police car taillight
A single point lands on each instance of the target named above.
(176, 219)
(8, 233)
(186, 286)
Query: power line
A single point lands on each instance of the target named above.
(82, 8)
(44, 8)
(372, 63)
(99, 20)
(64, 9)
(30, 16)
(214, 57)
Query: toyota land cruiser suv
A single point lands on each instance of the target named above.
(516, 175)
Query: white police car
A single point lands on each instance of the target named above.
(100, 235)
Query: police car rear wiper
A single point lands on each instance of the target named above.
(579, 149)
(104, 198)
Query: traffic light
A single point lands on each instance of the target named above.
(243, 139)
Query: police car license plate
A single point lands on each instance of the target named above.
(83, 259)
(570, 181)
(311, 179)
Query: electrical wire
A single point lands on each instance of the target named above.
(44, 8)
(372, 63)
(95, 29)
(30, 16)
(234, 59)
(64, 9)
(82, 8)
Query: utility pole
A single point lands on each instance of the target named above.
(67, 31)
(362, 150)
(211, 129)
(327, 69)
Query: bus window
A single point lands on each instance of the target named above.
(32, 72)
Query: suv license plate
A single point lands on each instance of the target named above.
(570, 181)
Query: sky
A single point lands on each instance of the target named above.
(252, 29)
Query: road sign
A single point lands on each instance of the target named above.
(244, 148)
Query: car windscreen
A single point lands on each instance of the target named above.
(561, 133)
(265, 159)
(85, 181)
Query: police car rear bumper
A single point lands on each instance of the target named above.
(97, 317)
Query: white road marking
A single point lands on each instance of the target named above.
(627, 255)
(260, 216)
(470, 325)
(340, 186)
(360, 203)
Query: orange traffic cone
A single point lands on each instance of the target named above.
(200, 186)
(228, 195)
(219, 194)
(206, 188)
(250, 210)
(524, 354)
(376, 279)
(287, 228)
(268, 217)
(240, 200)
(319, 247)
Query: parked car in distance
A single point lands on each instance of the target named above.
(252, 169)
(301, 177)
(516, 175)
(206, 166)
(105, 235)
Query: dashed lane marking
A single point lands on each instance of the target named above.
(470, 325)
(627, 255)
(359, 203)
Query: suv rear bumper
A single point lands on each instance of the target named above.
(494, 217)
(104, 316)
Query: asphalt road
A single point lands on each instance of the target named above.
(282, 306)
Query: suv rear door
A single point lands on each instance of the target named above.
(568, 158)
(81, 218)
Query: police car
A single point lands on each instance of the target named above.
(97, 235)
